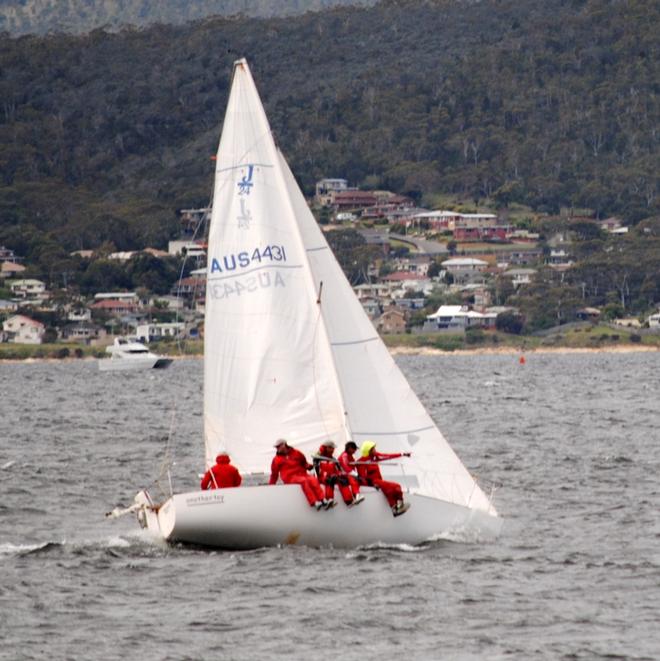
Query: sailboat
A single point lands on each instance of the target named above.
(289, 353)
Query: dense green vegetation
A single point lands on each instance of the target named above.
(103, 136)
(78, 16)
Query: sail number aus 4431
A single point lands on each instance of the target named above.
(272, 253)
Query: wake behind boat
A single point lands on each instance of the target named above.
(289, 353)
(129, 354)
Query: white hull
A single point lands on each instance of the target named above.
(253, 517)
(130, 364)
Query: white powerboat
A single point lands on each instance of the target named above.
(128, 354)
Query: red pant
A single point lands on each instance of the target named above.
(344, 490)
(310, 486)
(391, 491)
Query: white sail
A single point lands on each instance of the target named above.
(380, 404)
(268, 369)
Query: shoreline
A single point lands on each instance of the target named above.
(406, 351)
(512, 351)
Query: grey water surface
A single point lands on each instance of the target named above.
(572, 440)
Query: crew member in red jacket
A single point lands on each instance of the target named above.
(222, 474)
(330, 474)
(290, 465)
(347, 464)
(369, 473)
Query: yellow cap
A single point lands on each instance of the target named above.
(366, 448)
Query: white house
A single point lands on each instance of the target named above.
(154, 332)
(27, 288)
(23, 330)
(459, 318)
(654, 321)
(519, 276)
(186, 247)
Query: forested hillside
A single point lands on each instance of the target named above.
(548, 103)
(80, 16)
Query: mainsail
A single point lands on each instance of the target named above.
(289, 351)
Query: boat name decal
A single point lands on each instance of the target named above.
(246, 183)
(245, 285)
(205, 499)
(242, 260)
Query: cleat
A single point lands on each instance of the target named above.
(329, 504)
(358, 499)
(319, 504)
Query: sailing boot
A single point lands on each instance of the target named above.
(400, 508)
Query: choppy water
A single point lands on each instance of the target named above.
(573, 440)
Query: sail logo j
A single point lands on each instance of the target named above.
(246, 183)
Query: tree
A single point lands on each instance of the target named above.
(510, 322)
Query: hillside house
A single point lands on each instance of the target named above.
(166, 302)
(193, 287)
(519, 257)
(465, 269)
(419, 265)
(10, 269)
(79, 314)
(23, 330)
(588, 314)
(159, 331)
(325, 187)
(453, 220)
(519, 276)
(457, 318)
(193, 249)
(83, 331)
(7, 255)
(371, 306)
(28, 289)
(7, 306)
(391, 321)
(114, 307)
(493, 233)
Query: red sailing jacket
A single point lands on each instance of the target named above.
(345, 461)
(222, 475)
(288, 465)
(370, 472)
(326, 465)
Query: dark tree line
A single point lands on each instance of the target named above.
(546, 103)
